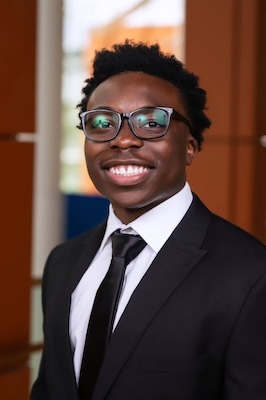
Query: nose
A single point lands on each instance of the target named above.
(125, 137)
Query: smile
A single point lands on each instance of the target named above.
(128, 170)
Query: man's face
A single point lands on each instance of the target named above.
(136, 174)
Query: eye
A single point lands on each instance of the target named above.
(160, 117)
(150, 124)
(151, 119)
(101, 121)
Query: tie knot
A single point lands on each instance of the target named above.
(126, 246)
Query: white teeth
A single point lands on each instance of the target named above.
(128, 170)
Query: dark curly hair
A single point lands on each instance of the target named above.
(131, 56)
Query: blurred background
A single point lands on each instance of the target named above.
(46, 49)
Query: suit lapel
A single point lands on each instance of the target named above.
(172, 265)
(91, 244)
(83, 257)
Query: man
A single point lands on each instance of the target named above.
(190, 322)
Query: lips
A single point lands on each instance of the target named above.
(128, 170)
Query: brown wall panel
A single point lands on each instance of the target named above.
(245, 66)
(15, 385)
(259, 208)
(224, 42)
(16, 166)
(208, 176)
(245, 171)
(209, 35)
(17, 114)
(17, 67)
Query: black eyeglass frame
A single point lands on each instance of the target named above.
(122, 116)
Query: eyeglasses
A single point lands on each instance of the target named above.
(103, 125)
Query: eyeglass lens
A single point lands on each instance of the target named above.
(103, 125)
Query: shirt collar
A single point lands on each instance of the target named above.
(156, 225)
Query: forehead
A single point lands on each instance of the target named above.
(128, 91)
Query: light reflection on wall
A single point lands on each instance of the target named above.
(91, 25)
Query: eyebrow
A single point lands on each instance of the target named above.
(101, 108)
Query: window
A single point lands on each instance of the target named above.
(90, 25)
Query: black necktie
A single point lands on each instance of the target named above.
(124, 249)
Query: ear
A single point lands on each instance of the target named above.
(192, 149)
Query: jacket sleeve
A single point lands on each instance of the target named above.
(39, 389)
(245, 364)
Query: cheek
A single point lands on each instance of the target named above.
(90, 157)
(173, 154)
(91, 151)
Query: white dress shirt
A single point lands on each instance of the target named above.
(155, 227)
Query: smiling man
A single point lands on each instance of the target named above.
(164, 300)
(144, 162)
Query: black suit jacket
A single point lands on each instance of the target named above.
(194, 328)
